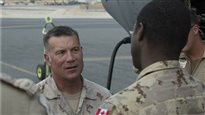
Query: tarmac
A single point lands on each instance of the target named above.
(52, 11)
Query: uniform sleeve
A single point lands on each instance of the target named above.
(113, 111)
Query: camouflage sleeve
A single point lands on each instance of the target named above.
(45, 104)
(113, 111)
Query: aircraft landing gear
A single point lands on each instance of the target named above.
(43, 70)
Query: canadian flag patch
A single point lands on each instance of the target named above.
(102, 111)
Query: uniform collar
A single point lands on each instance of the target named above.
(88, 89)
(158, 66)
(52, 91)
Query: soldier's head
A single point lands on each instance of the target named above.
(63, 53)
(59, 31)
(160, 32)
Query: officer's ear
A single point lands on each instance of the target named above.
(47, 58)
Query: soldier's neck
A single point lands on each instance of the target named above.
(197, 51)
(69, 86)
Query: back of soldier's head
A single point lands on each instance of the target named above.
(194, 17)
(166, 25)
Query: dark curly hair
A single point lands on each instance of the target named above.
(166, 25)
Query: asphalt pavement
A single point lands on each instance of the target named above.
(73, 11)
(22, 49)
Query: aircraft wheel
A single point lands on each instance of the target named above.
(41, 71)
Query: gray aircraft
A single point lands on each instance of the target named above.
(125, 13)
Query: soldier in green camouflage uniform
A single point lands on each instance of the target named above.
(162, 87)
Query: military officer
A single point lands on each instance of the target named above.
(66, 90)
(162, 88)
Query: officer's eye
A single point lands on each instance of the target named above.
(76, 49)
(60, 52)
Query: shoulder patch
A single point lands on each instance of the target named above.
(102, 111)
(182, 63)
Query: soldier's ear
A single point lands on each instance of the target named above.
(141, 31)
(195, 29)
(47, 59)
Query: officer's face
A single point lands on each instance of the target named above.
(65, 57)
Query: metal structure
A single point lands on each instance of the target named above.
(42, 70)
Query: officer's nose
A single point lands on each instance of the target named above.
(69, 57)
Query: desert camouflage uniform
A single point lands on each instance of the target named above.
(161, 89)
(195, 68)
(17, 98)
(92, 96)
